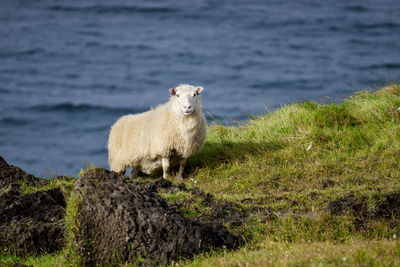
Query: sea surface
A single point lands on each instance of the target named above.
(69, 69)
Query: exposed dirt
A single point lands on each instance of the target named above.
(31, 223)
(387, 206)
(21, 265)
(119, 222)
(327, 183)
(349, 205)
(227, 212)
(11, 175)
(122, 220)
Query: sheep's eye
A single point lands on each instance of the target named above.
(177, 95)
(194, 94)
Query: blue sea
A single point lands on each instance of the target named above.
(69, 69)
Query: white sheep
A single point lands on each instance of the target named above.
(159, 138)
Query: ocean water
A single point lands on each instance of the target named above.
(69, 69)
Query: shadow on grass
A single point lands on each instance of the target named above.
(214, 154)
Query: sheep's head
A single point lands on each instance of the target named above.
(186, 98)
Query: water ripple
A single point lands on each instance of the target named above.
(117, 9)
(70, 107)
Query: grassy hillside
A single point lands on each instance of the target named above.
(306, 184)
(329, 173)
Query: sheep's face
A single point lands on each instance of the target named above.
(187, 98)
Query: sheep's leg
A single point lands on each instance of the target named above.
(165, 166)
(134, 173)
(181, 167)
(122, 172)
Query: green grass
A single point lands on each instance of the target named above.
(64, 183)
(354, 146)
(294, 162)
(355, 252)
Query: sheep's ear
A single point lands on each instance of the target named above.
(172, 91)
(199, 89)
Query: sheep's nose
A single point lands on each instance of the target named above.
(187, 107)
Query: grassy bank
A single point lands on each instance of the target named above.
(318, 183)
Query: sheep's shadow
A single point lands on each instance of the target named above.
(214, 154)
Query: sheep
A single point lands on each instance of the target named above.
(161, 137)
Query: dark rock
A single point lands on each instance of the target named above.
(121, 222)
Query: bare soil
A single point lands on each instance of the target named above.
(121, 221)
(387, 206)
(30, 224)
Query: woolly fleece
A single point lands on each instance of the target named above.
(141, 140)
